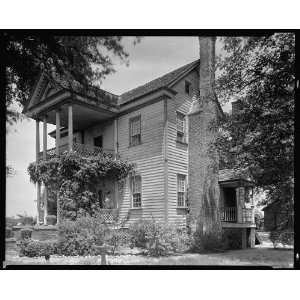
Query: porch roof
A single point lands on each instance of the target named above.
(234, 176)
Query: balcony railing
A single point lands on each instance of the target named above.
(82, 149)
(229, 214)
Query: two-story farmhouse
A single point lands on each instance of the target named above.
(148, 126)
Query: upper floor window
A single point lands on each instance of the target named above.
(181, 190)
(187, 87)
(135, 131)
(181, 127)
(136, 183)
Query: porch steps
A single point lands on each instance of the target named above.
(262, 237)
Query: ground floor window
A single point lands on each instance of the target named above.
(181, 190)
(136, 183)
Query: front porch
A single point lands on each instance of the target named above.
(72, 113)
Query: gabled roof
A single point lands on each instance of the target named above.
(161, 82)
(97, 95)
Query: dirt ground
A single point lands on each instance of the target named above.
(258, 256)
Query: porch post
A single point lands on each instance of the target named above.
(38, 186)
(70, 126)
(44, 137)
(45, 157)
(239, 211)
(116, 138)
(57, 141)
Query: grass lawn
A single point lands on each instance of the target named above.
(259, 256)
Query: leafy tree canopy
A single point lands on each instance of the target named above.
(259, 73)
(67, 60)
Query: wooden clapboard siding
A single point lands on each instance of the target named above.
(152, 173)
(151, 133)
(148, 157)
(105, 129)
(178, 152)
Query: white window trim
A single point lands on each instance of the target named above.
(131, 191)
(185, 190)
(184, 132)
(131, 120)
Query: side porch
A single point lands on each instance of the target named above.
(237, 206)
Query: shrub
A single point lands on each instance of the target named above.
(117, 238)
(138, 231)
(8, 232)
(284, 237)
(33, 248)
(80, 237)
(157, 238)
(26, 233)
(51, 220)
(206, 241)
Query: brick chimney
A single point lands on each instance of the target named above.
(203, 192)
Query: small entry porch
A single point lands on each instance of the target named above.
(237, 206)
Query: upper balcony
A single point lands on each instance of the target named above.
(83, 149)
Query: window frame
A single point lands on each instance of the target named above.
(189, 85)
(132, 178)
(131, 120)
(182, 133)
(184, 176)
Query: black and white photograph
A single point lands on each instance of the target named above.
(149, 150)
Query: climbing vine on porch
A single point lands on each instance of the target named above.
(75, 178)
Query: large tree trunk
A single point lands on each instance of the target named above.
(203, 159)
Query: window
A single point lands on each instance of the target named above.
(135, 131)
(181, 190)
(181, 136)
(187, 87)
(98, 141)
(136, 183)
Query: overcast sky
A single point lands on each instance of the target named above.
(151, 58)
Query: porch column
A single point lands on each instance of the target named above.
(44, 137)
(57, 143)
(45, 157)
(116, 138)
(38, 185)
(239, 210)
(70, 126)
(57, 138)
(252, 207)
(252, 237)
